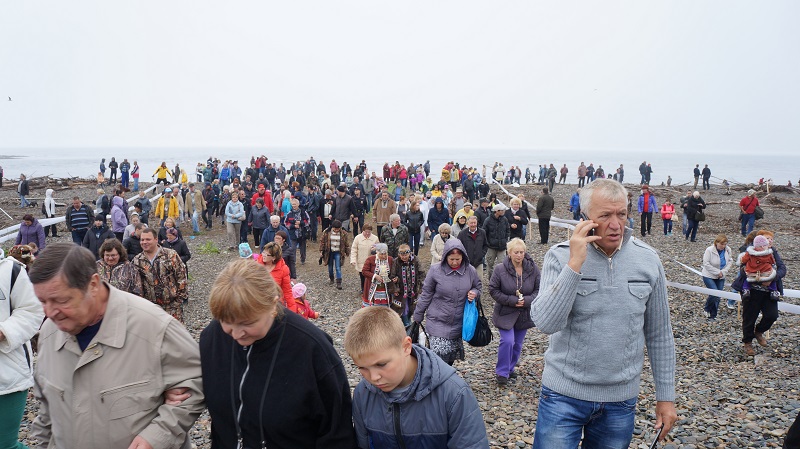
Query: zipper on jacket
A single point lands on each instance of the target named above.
(398, 432)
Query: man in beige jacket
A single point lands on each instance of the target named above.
(114, 370)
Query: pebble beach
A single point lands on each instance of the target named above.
(725, 399)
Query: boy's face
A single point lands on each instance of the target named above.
(389, 369)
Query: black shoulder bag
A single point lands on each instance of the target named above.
(483, 333)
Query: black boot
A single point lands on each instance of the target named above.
(338, 284)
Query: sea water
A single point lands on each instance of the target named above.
(736, 167)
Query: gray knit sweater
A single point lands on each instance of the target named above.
(601, 319)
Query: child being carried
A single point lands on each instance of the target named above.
(759, 266)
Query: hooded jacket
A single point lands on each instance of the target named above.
(436, 216)
(437, 410)
(31, 234)
(26, 314)
(444, 293)
(49, 204)
(118, 218)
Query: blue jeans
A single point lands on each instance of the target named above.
(23, 202)
(667, 226)
(712, 303)
(135, 184)
(748, 222)
(77, 236)
(691, 231)
(335, 261)
(605, 425)
(195, 224)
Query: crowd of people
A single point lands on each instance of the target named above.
(147, 367)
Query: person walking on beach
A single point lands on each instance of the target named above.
(696, 176)
(694, 209)
(23, 190)
(544, 210)
(106, 353)
(748, 206)
(599, 400)
(646, 206)
(163, 274)
(79, 217)
(706, 178)
(563, 177)
(161, 174)
(135, 176)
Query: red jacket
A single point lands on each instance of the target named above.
(267, 200)
(284, 280)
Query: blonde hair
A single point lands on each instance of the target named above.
(517, 201)
(373, 329)
(514, 243)
(243, 290)
(721, 238)
(273, 249)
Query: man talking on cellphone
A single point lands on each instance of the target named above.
(603, 297)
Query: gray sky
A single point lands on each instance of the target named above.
(683, 75)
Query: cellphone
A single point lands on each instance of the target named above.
(654, 444)
(585, 218)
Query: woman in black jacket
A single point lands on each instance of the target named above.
(255, 355)
(176, 243)
(414, 221)
(694, 205)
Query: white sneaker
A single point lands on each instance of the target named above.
(731, 304)
(707, 315)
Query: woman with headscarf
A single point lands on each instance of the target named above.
(405, 276)
(439, 242)
(448, 285)
(376, 277)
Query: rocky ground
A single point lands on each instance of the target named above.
(724, 398)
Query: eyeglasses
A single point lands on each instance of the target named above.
(405, 252)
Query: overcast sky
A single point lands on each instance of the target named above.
(683, 75)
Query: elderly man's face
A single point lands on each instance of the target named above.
(396, 223)
(275, 222)
(70, 309)
(611, 217)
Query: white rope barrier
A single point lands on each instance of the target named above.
(10, 233)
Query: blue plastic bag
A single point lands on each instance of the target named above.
(470, 320)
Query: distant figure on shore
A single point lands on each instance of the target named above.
(23, 190)
(103, 166)
(706, 178)
(696, 173)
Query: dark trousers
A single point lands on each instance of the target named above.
(413, 241)
(357, 224)
(244, 231)
(581, 181)
(301, 244)
(313, 224)
(77, 236)
(257, 236)
(52, 228)
(792, 440)
(544, 229)
(647, 222)
(667, 226)
(208, 216)
(691, 231)
(759, 301)
(706, 184)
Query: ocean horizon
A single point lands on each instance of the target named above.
(735, 167)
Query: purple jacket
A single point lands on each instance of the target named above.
(445, 292)
(503, 288)
(118, 218)
(33, 233)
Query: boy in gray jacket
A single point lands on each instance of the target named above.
(409, 397)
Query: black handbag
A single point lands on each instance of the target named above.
(413, 331)
(700, 216)
(759, 213)
(483, 333)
